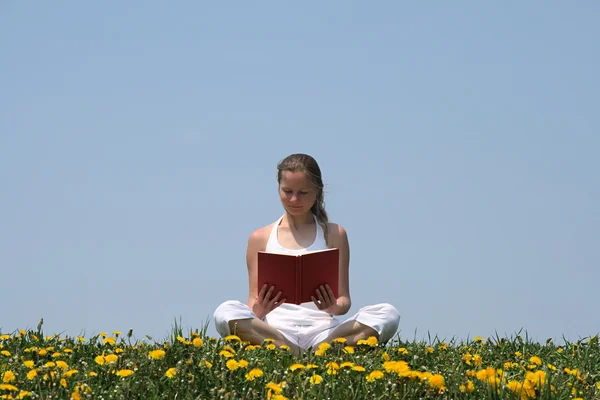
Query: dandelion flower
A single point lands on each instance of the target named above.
(232, 338)
(402, 351)
(358, 368)
(372, 341)
(109, 340)
(124, 373)
(197, 342)
(349, 349)
(347, 364)
(316, 379)
(243, 363)
(332, 368)
(429, 349)
(156, 354)
(99, 360)
(32, 374)
(8, 377)
(28, 363)
(70, 373)
(232, 365)
(275, 388)
(111, 358)
(253, 374)
(171, 372)
(535, 360)
(340, 340)
(6, 386)
(296, 366)
(374, 375)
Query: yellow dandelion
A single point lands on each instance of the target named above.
(332, 368)
(23, 393)
(208, 364)
(535, 360)
(111, 358)
(358, 368)
(284, 347)
(271, 346)
(28, 363)
(170, 373)
(269, 340)
(92, 374)
(70, 373)
(385, 356)
(477, 360)
(50, 364)
(316, 379)
(80, 339)
(468, 387)
(197, 342)
(32, 374)
(275, 388)
(478, 339)
(9, 387)
(5, 353)
(243, 363)
(251, 347)
(339, 340)
(226, 354)
(4, 337)
(279, 397)
(347, 364)
(349, 349)
(372, 341)
(253, 374)
(374, 375)
(402, 350)
(324, 346)
(232, 338)
(62, 365)
(124, 373)
(63, 382)
(436, 381)
(67, 350)
(232, 365)
(119, 350)
(429, 349)
(296, 366)
(100, 360)
(42, 352)
(8, 377)
(443, 346)
(109, 340)
(156, 354)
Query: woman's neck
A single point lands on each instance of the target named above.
(297, 221)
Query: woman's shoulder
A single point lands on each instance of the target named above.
(261, 235)
(336, 232)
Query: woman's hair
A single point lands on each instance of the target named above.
(308, 165)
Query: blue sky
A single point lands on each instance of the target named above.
(458, 142)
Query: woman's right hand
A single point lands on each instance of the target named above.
(264, 304)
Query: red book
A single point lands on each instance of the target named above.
(299, 276)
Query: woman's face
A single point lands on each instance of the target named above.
(296, 192)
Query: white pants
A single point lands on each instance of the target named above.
(305, 325)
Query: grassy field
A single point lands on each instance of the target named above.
(193, 366)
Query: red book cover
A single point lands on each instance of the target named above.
(299, 275)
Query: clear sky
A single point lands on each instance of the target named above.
(458, 141)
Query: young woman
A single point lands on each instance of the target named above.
(303, 227)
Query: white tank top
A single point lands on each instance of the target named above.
(273, 246)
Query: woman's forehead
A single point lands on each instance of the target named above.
(295, 179)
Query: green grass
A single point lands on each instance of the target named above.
(212, 368)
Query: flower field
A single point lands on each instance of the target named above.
(194, 366)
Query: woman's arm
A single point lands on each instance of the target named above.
(260, 300)
(339, 238)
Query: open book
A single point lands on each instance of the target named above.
(299, 275)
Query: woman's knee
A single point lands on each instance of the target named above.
(228, 311)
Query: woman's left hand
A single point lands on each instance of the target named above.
(325, 299)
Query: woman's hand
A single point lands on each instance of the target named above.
(264, 304)
(325, 299)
